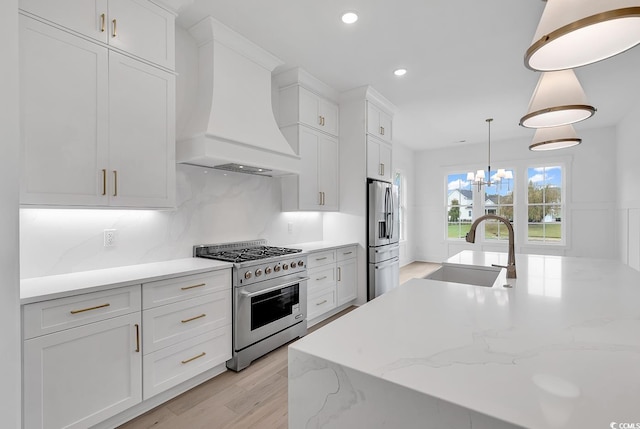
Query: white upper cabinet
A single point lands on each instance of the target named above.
(138, 27)
(64, 123)
(141, 134)
(299, 105)
(379, 123)
(97, 127)
(316, 187)
(379, 159)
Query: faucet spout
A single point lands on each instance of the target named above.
(471, 238)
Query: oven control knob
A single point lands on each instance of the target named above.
(267, 270)
(300, 263)
(276, 268)
(285, 266)
(247, 275)
(258, 272)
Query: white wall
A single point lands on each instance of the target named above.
(213, 207)
(403, 160)
(628, 195)
(10, 360)
(590, 197)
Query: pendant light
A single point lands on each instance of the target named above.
(574, 33)
(557, 100)
(554, 138)
(479, 178)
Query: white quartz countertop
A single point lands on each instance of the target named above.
(561, 349)
(316, 246)
(62, 285)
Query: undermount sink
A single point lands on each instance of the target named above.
(467, 274)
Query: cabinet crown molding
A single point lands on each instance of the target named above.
(368, 93)
(299, 76)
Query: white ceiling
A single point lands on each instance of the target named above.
(464, 59)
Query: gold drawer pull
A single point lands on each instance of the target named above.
(194, 286)
(339, 274)
(90, 308)
(193, 318)
(347, 253)
(320, 259)
(321, 302)
(104, 181)
(115, 28)
(102, 18)
(137, 338)
(194, 358)
(321, 278)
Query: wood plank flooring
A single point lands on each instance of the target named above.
(253, 398)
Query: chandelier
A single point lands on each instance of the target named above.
(480, 178)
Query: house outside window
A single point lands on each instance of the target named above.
(459, 206)
(545, 205)
(401, 182)
(498, 200)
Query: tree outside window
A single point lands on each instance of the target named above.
(545, 205)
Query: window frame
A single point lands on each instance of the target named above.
(402, 202)
(563, 165)
(461, 207)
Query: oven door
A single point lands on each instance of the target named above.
(268, 307)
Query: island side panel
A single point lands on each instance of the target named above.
(325, 395)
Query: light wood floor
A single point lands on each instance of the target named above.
(253, 398)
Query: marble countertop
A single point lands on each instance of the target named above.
(561, 348)
(316, 246)
(58, 286)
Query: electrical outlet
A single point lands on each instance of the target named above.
(290, 228)
(109, 237)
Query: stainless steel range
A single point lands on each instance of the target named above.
(269, 296)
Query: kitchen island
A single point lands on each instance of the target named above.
(560, 348)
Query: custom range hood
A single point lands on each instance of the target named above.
(232, 126)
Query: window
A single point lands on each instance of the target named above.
(401, 182)
(459, 205)
(545, 205)
(498, 200)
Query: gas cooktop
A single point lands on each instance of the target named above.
(240, 252)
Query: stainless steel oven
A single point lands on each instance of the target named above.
(267, 308)
(269, 296)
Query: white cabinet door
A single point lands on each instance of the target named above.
(88, 17)
(78, 377)
(347, 281)
(385, 161)
(378, 159)
(141, 134)
(379, 123)
(318, 112)
(328, 172)
(64, 100)
(142, 29)
(308, 192)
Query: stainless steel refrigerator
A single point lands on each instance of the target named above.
(383, 238)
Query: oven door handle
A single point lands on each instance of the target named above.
(271, 289)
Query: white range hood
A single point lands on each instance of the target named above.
(232, 125)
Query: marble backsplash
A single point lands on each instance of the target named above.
(212, 207)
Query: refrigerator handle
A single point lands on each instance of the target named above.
(387, 206)
(392, 215)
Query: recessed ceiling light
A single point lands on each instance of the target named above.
(349, 17)
(400, 72)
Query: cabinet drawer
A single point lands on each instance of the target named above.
(321, 258)
(173, 365)
(321, 302)
(181, 288)
(58, 314)
(170, 324)
(320, 277)
(347, 253)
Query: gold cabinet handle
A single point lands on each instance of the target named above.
(380, 169)
(319, 198)
(104, 181)
(321, 302)
(115, 28)
(339, 274)
(319, 120)
(320, 259)
(193, 318)
(115, 183)
(194, 358)
(194, 286)
(102, 22)
(137, 338)
(347, 253)
(382, 128)
(90, 308)
(321, 278)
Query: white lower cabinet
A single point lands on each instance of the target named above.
(84, 354)
(332, 280)
(78, 377)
